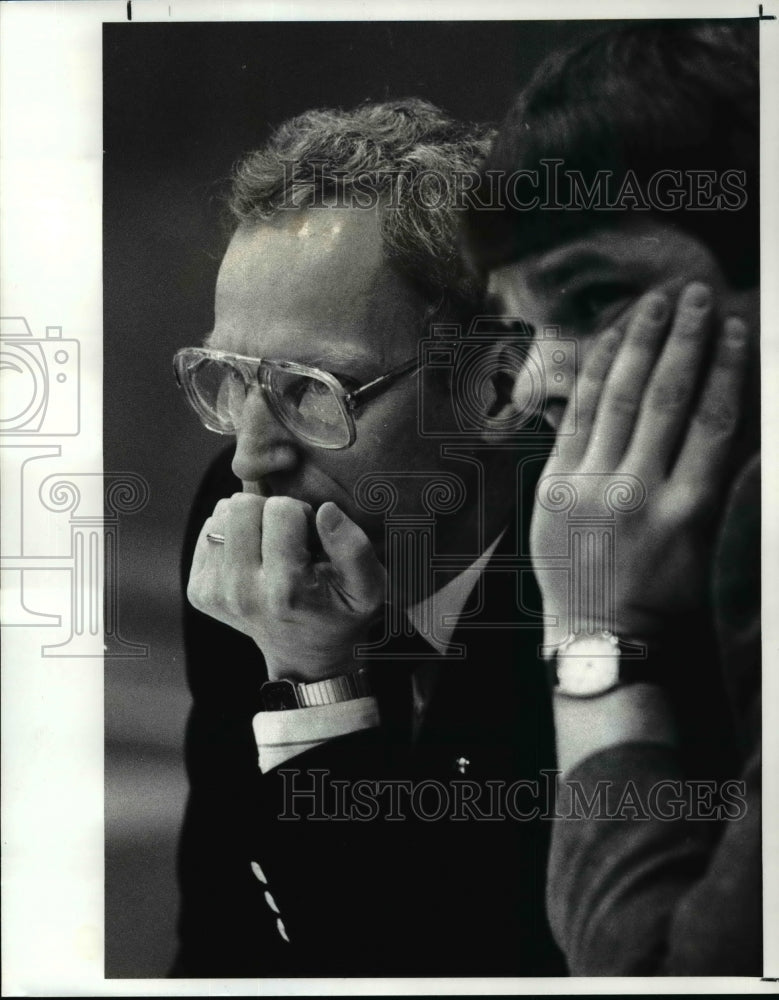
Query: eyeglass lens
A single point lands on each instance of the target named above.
(306, 404)
(309, 405)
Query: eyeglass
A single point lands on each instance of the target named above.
(311, 403)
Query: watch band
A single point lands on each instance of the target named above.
(282, 695)
(345, 687)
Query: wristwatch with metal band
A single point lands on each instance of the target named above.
(279, 696)
(588, 665)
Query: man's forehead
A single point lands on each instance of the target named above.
(319, 280)
(310, 237)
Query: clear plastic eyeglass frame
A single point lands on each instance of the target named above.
(258, 372)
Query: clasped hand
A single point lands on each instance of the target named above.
(304, 614)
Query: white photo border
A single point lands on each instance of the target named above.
(51, 263)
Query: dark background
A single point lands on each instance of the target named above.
(181, 103)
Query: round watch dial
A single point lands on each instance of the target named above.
(589, 666)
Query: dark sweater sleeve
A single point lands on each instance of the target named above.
(644, 895)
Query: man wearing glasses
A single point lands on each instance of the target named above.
(357, 490)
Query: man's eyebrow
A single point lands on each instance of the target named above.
(347, 362)
(326, 359)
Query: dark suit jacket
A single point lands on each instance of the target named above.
(380, 897)
(653, 897)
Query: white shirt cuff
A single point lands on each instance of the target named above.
(283, 735)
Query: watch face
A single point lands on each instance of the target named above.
(589, 666)
(279, 696)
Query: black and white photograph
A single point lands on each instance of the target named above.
(423, 568)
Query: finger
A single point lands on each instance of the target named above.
(668, 397)
(361, 576)
(285, 551)
(205, 550)
(620, 400)
(573, 436)
(703, 459)
(206, 572)
(241, 518)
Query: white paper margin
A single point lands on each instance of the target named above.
(50, 273)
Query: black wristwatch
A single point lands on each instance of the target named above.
(280, 696)
(590, 664)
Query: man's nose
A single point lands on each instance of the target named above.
(263, 445)
(546, 378)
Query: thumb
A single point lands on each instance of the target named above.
(362, 580)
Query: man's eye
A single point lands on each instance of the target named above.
(347, 381)
(302, 387)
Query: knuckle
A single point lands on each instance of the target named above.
(246, 606)
(599, 361)
(667, 394)
(645, 328)
(200, 595)
(681, 505)
(193, 594)
(284, 503)
(690, 322)
(279, 598)
(237, 598)
(244, 508)
(731, 356)
(231, 595)
(622, 401)
(597, 368)
(692, 319)
(222, 506)
(282, 509)
(246, 500)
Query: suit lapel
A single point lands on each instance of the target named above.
(492, 708)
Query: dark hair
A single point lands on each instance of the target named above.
(380, 151)
(651, 97)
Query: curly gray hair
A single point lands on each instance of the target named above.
(407, 157)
